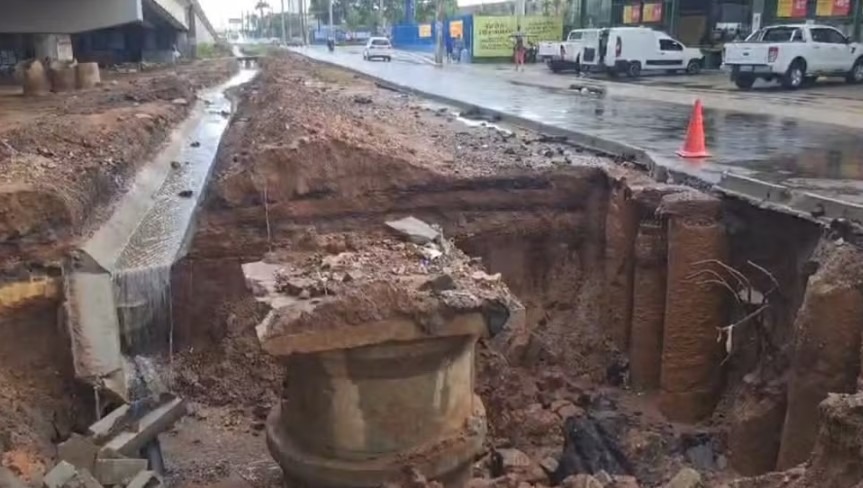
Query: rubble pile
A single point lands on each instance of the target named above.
(120, 450)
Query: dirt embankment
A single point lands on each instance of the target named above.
(63, 157)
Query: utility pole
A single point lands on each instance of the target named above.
(288, 20)
(331, 33)
(438, 52)
(303, 30)
(284, 36)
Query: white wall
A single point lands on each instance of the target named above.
(176, 9)
(66, 16)
(202, 33)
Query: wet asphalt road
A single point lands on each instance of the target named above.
(822, 158)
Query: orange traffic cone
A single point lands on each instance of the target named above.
(694, 146)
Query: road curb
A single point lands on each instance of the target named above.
(806, 205)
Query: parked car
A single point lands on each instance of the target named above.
(633, 50)
(795, 55)
(378, 47)
(567, 55)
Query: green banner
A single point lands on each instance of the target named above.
(493, 36)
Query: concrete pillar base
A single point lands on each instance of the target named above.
(447, 460)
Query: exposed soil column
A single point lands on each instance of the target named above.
(694, 309)
(648, 306)
(827, 346)
(621, 225)
(756, 428)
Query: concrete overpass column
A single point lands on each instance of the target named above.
(53, 46)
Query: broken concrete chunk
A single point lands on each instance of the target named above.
(581, 481)
(150, 425)
(64, 475)
(119, 471)
(61, 474)
(414, 229)
(79, 451)
(105, 427)
(84, 480)
(9, 480)
(685, 478)
(145, 479)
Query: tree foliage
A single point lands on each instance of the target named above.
(367, 13)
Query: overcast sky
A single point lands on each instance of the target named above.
(219, 11)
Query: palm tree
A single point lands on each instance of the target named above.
(260, 7)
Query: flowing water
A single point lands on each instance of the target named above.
(137, 247)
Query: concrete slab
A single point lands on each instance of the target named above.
(151, 425)
(145, 479)
(102, 429)
(78, 451)
(119, 471)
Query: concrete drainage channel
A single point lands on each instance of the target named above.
(118, 296)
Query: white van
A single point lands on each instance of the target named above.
(631, 50)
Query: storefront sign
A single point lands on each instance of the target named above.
(791, 8)
(456, 29)
(493, 36)
(651, 12)
(632, 14)
(833, 8)
(425, 31)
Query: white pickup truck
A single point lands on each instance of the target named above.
(568, 55)
(795, 55)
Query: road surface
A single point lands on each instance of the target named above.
(822, 158)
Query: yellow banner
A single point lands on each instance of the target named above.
(627, 14)
(783, 8)
(493, 37)
(425, 30)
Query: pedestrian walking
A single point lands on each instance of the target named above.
(520, 50)
(449, 46)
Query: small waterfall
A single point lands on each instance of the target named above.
(143, 298)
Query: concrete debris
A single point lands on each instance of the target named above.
(180, 101)
(149, 426)
(64, 475)
(109, 424)
(119, 471)
(9, 480)
(145, 479)
(685, 478)
(362, 100)
(414, 229)
(581, 481)
(185, 193)
(483, 276)
(79, 451)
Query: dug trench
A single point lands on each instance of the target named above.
(668, 337)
